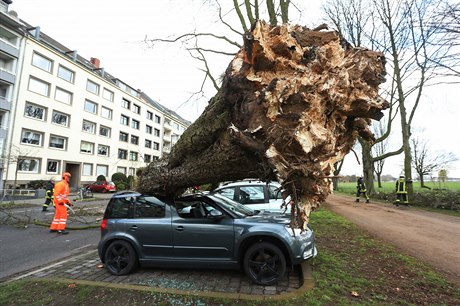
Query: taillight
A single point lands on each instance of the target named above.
(103, 224)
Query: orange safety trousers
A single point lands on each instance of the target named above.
(60, 218)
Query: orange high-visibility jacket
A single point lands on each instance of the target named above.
(61, 192)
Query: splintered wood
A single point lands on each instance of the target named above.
(292, 102)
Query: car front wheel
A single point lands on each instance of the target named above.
(264, 263)
(120, 258)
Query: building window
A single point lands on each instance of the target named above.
(65, 74)
(35, 112)
(147, 158)
(102, 170)
(87, 147)
(133, 156)
(156, 132)
(29, 165)
(121, 170)
(60, 118)
(63, 96)
(123, 137)
(107, 94)
(148, 143)
(52, 166)
(122, 154)
(42, 62)
(136, 109)
(58, 142)
(125, 104)
(132, 171)
(90, 107)
(134, 140)
(87, 169)
(104, 131)
(124, 120)
(149, 115)
(39, 87)
(31, 137)
(92, 87)
(148, 129)
(156, 146)
(135, 124)
(157, 119)
(106, 112)
(89, 127)
(103, 150)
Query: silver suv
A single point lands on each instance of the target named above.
(255, 194)
(199, 230)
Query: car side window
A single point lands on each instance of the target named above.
(227, 192)
(119, 207)
(252, 194)
(193, 209)
(274, 192)
(149, 207)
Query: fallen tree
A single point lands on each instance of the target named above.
(291, 104)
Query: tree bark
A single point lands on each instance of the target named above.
(291, 104)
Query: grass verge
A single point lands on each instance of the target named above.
(351, 268)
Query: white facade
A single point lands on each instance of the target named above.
(72, 116)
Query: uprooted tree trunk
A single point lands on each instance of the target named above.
(292, 102)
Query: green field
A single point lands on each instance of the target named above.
(350, 188)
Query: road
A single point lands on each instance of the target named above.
(24, 248)
(431, 237)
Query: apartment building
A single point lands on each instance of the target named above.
(68, 114)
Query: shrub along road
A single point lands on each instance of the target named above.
(432, 237)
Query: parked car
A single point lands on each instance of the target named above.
(102, 186)
(199, 230)
(255, 194)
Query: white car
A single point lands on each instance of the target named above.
(255, 194)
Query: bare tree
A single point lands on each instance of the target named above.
(406, 32)
(426, 162)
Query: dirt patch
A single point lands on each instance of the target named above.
(431, 237)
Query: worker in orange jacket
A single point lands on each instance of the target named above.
(61, 199)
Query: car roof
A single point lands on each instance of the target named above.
(247, 182)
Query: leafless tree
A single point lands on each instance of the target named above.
(201, 44)
(426, 162)
(406, 32)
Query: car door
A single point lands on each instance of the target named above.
(198, 238)
(151, 227)
(276, 199)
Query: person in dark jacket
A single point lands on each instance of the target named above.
(49, 195)
(361, 190)
(401, 192)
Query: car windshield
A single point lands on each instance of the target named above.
(236, 207)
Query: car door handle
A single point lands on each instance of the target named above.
(133, 227)
(179, 228)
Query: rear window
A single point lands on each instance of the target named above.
(119, 208)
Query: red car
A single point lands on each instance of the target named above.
(102, 186)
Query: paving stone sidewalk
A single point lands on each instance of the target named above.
(88, 267)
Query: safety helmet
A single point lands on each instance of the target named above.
(66, 174)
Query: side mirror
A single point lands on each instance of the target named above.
(215, 214)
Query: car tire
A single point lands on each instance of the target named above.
(120, 258)
(264, 263)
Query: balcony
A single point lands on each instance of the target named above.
(5, 105)
(167, 149)
(9, 48)
(167, 126)
(7, 76)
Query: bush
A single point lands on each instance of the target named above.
(38, 184)
(444, 199)
(101, 178)
(131, 182)
(120, 180)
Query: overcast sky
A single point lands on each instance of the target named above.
(113, 31)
